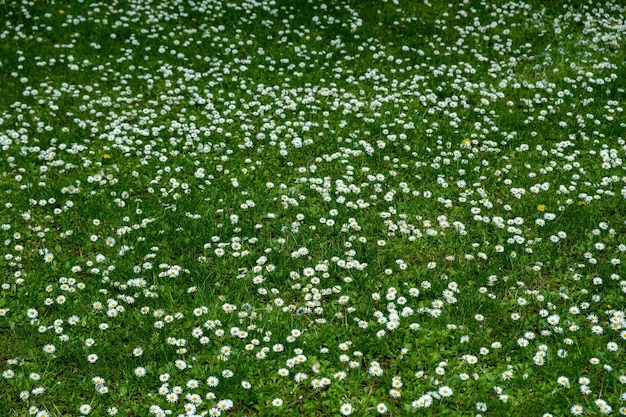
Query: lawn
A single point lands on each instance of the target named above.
(312, 208)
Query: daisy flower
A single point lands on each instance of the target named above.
(576, 409)
(346, 409)
(445, 391)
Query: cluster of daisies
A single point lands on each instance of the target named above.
(312, 210)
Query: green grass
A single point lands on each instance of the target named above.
(364, 207)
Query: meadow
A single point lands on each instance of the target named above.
(312, 208)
